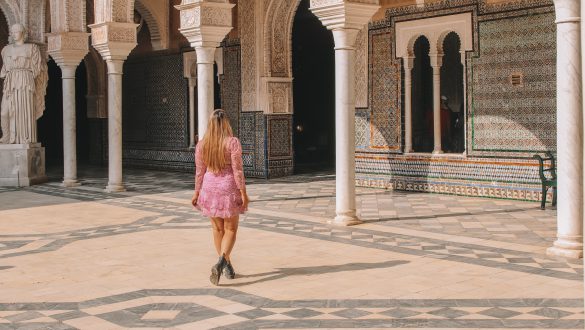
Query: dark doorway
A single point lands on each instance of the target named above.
(50, 125)
(216, 88)
(452, 100)
(84, 144)
(313, 93)
(422, 98)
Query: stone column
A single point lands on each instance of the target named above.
(408, 64)
(436, 62)
(114, 41)
(192, 86)
(345, 18)
(205, 23)
(205, 90)
(569, 241)
(190, 73)
(345, 207)
(115, 72)
(68, 49)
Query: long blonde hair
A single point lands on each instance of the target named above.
(213, 143)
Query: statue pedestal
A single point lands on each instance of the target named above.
(22, 165)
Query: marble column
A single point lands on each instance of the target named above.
(205, 88)
(114, 41)
(69, 127)
(115, 72)
(68, 50)
(205, 23)
(345, 205)
(408, 64)
(345, 18)
(192, 98)
(569, 241)
(436, 62)
(583, 105)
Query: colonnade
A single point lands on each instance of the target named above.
(115, 40)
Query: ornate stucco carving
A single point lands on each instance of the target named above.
(247, 28)
(361, 69)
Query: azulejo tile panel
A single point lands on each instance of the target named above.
(155, 122)
(385, 117)
(280, 136)
(253, 139)
(501, 178)
(507, 118)
(231, 87)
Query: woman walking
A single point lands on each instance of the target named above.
(220, 190)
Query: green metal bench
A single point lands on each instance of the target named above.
(550, 180)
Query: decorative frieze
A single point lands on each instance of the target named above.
(205, 23)
(114, 40)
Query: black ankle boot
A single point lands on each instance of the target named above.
(228, 271)
(216, 270)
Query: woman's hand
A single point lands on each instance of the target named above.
(245, 200)
(194, 199)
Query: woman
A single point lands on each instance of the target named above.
(220, 190)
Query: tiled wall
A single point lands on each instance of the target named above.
(155, 113)
(506, 124)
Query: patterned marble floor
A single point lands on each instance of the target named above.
(83, 259)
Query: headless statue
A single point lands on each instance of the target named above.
(25, 84)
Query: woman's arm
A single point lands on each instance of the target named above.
(238, 168)
(200, 169)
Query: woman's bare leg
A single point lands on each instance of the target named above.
(230, 226)
(218, 233)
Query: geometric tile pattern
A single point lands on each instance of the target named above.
(279, 144)
(507, 118)
(253, 139)
(417, 228)
(504, 121)
(498, 178)
(156, 113)
(256, 312)
(231, 94)
(385, 120)
(314, 196)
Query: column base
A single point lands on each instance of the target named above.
(115, 188)
(345, 220)
(22, 165)
(566, 248)
(437, 152)
(70, 183)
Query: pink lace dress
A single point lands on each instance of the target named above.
(219, 193)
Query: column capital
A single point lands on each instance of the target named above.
(115, 66)
(68, 48)
(344, 14)
(114, 40)
(408, 62)
(205, 54)
(205, 23)
(436, 60)
(567, 11)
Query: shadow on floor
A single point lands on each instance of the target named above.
(313, 270)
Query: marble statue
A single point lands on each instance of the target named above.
(25, 85)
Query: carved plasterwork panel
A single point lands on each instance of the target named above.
(114, 11)
(36, 21)
(280, 100)
(12, 11)
(247, 14)
(361, 69)
(278, 38)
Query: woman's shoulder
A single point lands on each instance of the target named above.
(234, 143)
